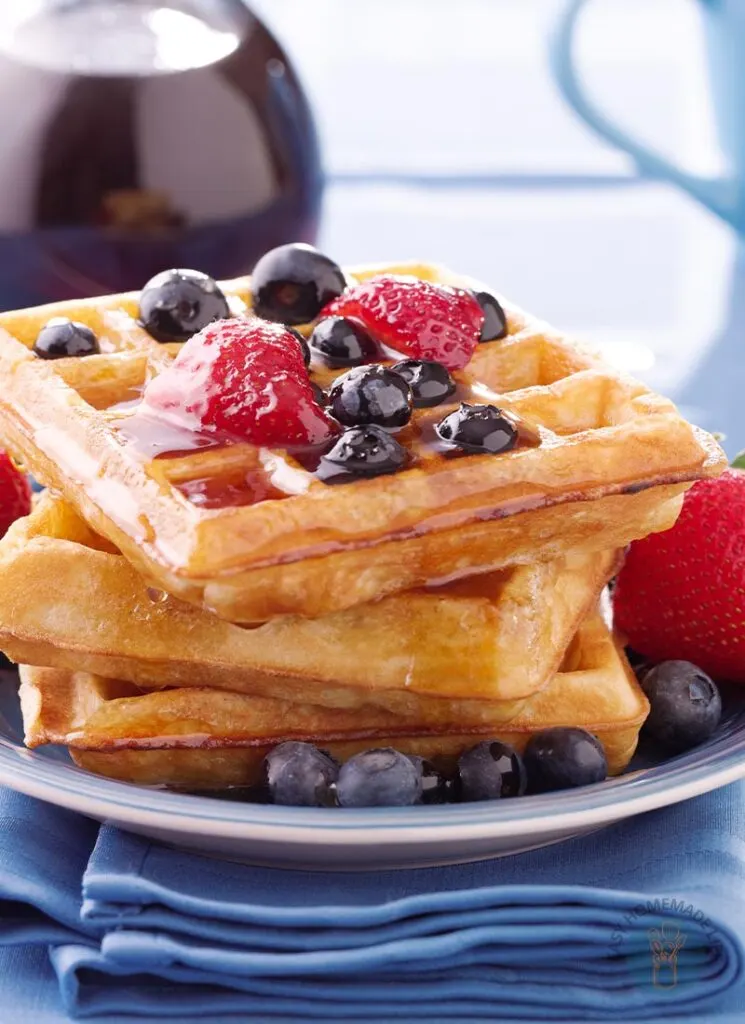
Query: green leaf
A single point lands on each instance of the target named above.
(739, 460)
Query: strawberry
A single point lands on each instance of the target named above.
(417, 318)
(15, 493)
(681, 594)
(243, 378)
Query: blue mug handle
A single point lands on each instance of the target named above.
(711, 192)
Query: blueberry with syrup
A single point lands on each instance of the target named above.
(339, 341)
(178, 303)
(495, 319)
(371, 395)
(430, 382)
(364, 451)
(478, 429)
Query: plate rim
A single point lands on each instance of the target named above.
(708, 767)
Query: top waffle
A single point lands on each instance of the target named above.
(250, 533)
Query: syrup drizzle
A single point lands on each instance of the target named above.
(269, 477)
(154, 438)
(217, 492)
(274, 475)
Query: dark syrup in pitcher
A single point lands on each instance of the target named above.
(145, 134)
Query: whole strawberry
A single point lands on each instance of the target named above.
(15, 493)
(681, 594)
(244, 379)
(416, 318)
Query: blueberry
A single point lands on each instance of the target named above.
(318, 394)
(489, 771)
(61, 337)
(436, 789)
(303, 344)
(342, 342)
(478, 429)
(379, 778)
(430, 382)
(685, 705)
(178, 303)
(370, 394)
(638, 662)
(561, 758)
(362, 451)
(495, 319)
(292, 283)
(299, 775)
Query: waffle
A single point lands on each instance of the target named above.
(210, 739)
(468, 651)
(250, 534)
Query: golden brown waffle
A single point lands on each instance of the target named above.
(201, 526)
(210, 739)
(469, 651)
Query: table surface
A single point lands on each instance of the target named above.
(445, 140)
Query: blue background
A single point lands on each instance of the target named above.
(445, 139)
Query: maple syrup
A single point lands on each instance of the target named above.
(218, 492)
(153, 438)
(271, 475)
(140, 135)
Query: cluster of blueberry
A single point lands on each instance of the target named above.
(685, 711)
(293, 285)
(301, 775)
(370, 401)
(174, 305)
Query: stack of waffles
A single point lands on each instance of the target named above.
(177, 611)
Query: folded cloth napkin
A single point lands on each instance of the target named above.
(637, 921)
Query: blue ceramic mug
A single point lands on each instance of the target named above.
(724, 22)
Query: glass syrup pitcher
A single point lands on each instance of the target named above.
(145, 134)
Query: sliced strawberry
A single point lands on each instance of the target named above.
(416, 318)
(15, 493)
(244, 378)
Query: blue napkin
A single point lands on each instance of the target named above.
(633, 922)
